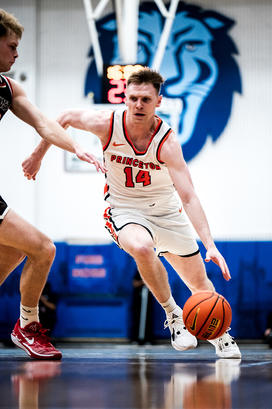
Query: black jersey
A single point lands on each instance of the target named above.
(5, 95)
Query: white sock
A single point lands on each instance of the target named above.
(28, 315)
(169, 305)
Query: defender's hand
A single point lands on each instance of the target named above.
(31, 167)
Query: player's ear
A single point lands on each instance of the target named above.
(159, 101)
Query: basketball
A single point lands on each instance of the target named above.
(207, 315)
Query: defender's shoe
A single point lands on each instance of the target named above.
(34, 341)
(181, 338)
(226, 347)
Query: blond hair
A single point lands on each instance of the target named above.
(9, 23)
(148, 76)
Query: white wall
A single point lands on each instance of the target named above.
(232, 176)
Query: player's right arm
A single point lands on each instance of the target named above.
(96, 122)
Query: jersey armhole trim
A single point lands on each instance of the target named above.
(110, 131)
(164, 138)
(8, 83)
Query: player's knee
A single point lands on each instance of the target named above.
(47, 250)
(141, 252)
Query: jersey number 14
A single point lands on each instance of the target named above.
(143, 176)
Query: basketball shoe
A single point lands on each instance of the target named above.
(181, 339)
(34, 341)
(226, 347)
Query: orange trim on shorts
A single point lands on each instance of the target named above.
(106, 188)
(109, 224)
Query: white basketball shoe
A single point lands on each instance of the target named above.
(226, 347)
(181, 338)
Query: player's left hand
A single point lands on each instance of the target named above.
(31, 167)
(88, 157)
(214, 255)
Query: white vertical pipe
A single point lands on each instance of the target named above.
(94, 36)
(165, 35)
(161, 7)
(99, 8)
(130, 31)
(119, 21)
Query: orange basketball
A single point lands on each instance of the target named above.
(207, 315)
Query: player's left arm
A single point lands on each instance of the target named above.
(49, 130)
(172, 156)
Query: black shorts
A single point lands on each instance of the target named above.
(3, 209)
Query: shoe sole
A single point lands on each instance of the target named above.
(184, 349)
(237, 356)
(34, 354)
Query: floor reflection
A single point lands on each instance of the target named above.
(194, 390)
(31, 378)
(126, 383)
(136, 378)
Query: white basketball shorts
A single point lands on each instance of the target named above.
(171, 233)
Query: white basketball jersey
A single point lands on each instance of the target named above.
(136, 179)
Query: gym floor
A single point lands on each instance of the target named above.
(110, 376)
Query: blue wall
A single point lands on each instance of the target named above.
(94, 289)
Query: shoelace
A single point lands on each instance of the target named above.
(178, 320)
(226, 338)
(41, 335)
(226, 334)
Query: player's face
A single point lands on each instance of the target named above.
(141, 101)
(8, 51)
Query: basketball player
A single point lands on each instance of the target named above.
(146, 183)
(19, 239)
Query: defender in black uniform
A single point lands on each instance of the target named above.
(5, 103)
(18, 238)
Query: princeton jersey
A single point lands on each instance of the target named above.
(5, 95)
(137, 179)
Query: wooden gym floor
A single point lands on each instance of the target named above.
(109, 376)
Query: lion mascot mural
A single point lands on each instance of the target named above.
(201, 72)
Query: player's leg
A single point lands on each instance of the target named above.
(18, 234)
(137, 241)
(192, 271)
(10, 258)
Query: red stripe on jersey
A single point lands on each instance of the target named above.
(9, 83)
(164, 138)
(110, 132)
(106, 188)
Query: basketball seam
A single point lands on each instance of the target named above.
(208, 316)
(223, 319)
(185, 322)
